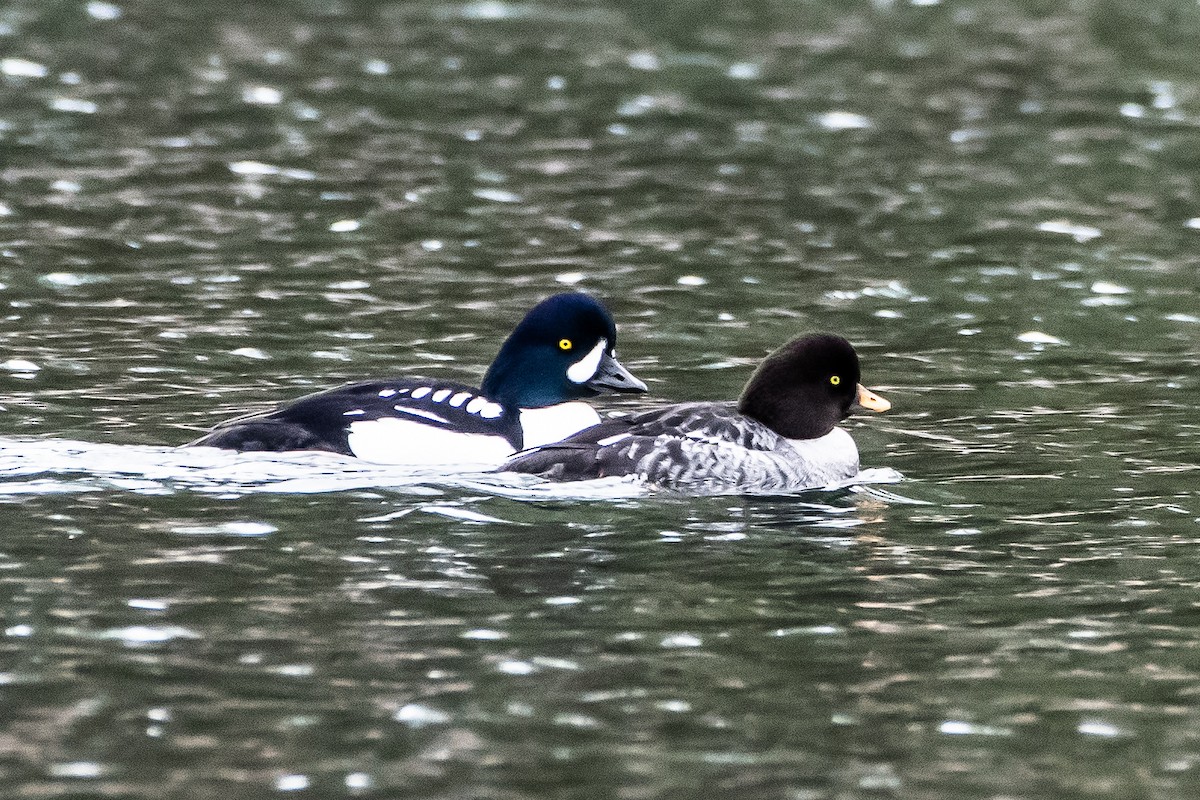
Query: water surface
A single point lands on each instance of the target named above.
(210, 207)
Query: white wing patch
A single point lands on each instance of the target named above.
(459, 399)
(411, 442)
(440, 395)
(358, 412)
(607, 440)
(706, 438)
(555, 423)
(420, 412)
(421, 392)
(386, 393)
(585, 368)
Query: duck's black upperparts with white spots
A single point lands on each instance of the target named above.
(781, 436)
(561, 352)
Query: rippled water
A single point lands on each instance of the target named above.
(209, 207)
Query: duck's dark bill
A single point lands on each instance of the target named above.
(611, 376)
(871, 401)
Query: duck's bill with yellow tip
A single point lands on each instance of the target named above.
(871, 401)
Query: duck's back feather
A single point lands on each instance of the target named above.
(322, 421)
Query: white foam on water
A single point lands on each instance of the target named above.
(54, 466)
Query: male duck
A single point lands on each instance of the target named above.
(561, 352)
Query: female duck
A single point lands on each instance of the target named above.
(561, 352)
(781, 436)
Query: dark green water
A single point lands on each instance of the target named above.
(211, 206)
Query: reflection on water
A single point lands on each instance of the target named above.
(212, 207)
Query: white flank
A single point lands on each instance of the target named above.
(410, 442)
(555, 423)
(584, 369)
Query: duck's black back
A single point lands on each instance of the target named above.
(322, 421)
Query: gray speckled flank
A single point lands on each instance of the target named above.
(705, 447)
(773, 464)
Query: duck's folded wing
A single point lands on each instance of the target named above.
(322, 421)
(677, 444)
(717, 423)
(603, 450)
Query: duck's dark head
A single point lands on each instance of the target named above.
(805, 388)
(563, 350)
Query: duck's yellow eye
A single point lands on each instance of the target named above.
(836, 380)
(565, 344)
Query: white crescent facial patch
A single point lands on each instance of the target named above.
(585, 368)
